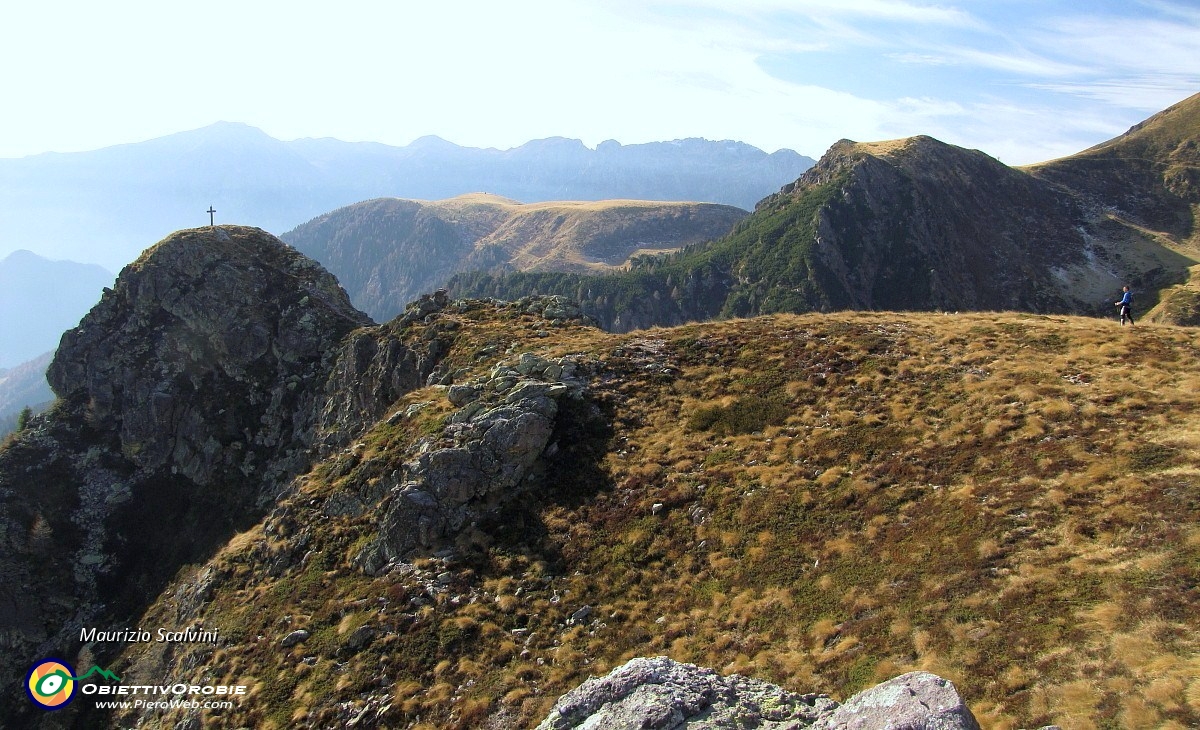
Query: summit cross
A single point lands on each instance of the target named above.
(211, 220)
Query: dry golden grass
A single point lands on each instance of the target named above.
(1008, 500)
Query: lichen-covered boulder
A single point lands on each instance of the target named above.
(484, 457)
(661, 693)
(664, 694)
(913, 701)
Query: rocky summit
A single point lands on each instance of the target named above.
(187, 399)
(488, 514)
(214, 337)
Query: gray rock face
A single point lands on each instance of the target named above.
(661, 693)
(374, 367)
(298, 636)
(913, 701)
(484, 457)
(187, 400)
(667, 695)
(205, 351)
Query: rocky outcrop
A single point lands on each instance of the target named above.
(187, 400)
(661, 693)
(913, 701)
(205, 357)
(483, 458)
(375, 367)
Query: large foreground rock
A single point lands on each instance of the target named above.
(913, 701)
(664, 694)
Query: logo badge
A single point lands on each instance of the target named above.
(51, 684)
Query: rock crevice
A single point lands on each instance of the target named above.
(484, 456)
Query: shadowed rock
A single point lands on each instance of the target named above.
(187, 400)
(213, 337)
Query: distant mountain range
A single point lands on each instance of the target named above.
(386, 252)
(917, 224)
(103, 206)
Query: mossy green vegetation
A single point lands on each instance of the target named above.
(822, 501)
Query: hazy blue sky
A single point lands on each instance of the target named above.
(1024, 80)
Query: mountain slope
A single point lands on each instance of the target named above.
(103, 205)
(919, 224)
(1146, 183)
(24, 386)
(40, 299)
(386, 252)
(1150, 175)
(825, 519)
(450, 519)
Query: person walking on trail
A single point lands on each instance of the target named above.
(1126, 305)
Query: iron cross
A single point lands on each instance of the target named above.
(210, 212)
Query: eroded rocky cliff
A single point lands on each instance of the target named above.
(187, 398)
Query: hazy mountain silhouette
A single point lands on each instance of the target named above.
(40, 299)
(102, 206)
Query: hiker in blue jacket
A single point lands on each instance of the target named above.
(1126, 305)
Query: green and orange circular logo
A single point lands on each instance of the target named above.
(51, 684)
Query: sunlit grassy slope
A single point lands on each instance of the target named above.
(1010, 501)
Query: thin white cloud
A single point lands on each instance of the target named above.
(1016, 134)
(921, 59)
(1019, 62)
(886, 10)
(1147, 93)
(1126, 44)
(1188, 13)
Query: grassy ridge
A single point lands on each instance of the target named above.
(1010, 501)
(765, 265)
